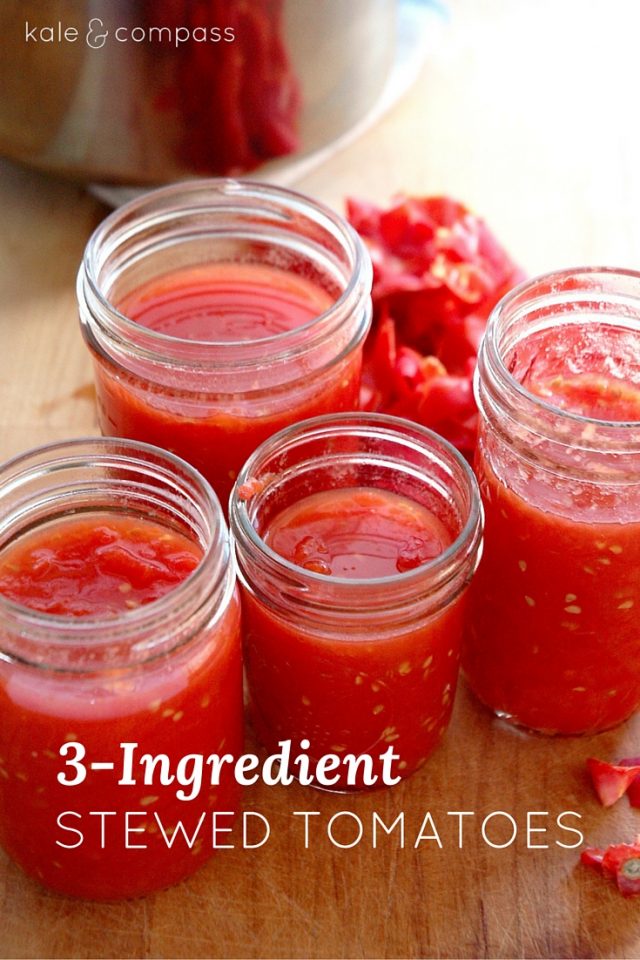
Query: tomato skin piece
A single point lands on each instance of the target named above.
(633, 793)
(592, 857)
(633, 790)
(383, 357)
(615, 855)
(611, 781)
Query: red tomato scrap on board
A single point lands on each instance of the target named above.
(612, 780)
(633, 790)
(438, 272)
(620, 861)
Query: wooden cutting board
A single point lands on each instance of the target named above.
(514, 118)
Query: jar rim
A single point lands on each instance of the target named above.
(59, 631)
(492, 355)
(217, 193)
(386, 426)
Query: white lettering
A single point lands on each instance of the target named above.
(265, 823)
(216, 829)
(427, 822)
(306, 814)
(579, 834)
(69, 846)
(75, 762)
(127, 778)
(531, 829)
(102, 814)
(377, 820)
(334, 819)
(189, 774)
(128, 829)
(179, 828)
(460, 814)
(96, 40)
(489, 817)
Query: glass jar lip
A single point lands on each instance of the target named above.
(496, 361)
(386, 425)
(146, 614)
(225, 187)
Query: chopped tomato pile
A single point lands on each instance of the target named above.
(620, 861)
(438, 272)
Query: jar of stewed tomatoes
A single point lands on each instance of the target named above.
(119, 640)
(356, 537)
(218, 312)
(553, 642)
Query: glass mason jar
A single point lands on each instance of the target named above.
(553, 641)
(210, 401)
(354, 665)
(164, 676)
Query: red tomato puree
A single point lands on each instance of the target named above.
(214, 427)
(357, 533)
(554, 642)
(367, 687)
(103, 564)
(226, 301)
(97, 566)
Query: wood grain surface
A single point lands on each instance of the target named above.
(528, 112)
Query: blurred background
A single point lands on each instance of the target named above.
(525, 111)
(147, 91)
